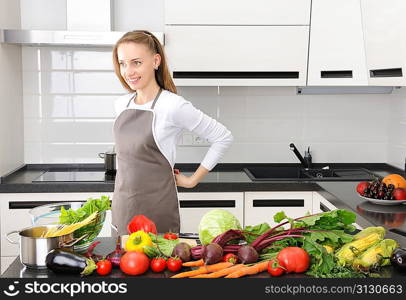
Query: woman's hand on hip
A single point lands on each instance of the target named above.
(184, 181)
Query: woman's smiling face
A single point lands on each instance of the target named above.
(137, 64)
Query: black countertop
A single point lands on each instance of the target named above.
(224, 178)
(229, 178)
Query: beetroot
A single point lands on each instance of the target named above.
(212, 253)
(247, 255)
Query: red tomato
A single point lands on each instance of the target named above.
(104, 267)
(141, 222)
(275, 269)
(170, 236)
(158, 264)
(174, 264)
(293, 259)
(134, 263)
(230, 257)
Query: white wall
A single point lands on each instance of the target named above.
(397, 129)
(69, 95)
(69, 112)
(11, 106)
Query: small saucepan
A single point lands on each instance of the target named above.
(34, 248)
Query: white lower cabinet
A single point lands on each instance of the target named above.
(14, 214)
(194, 205)
(261, 206)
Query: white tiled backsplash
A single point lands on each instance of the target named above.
(69, 112)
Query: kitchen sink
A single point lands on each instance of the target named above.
(284, 173)
(321, 173)
(275, 173)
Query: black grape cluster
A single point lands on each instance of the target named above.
(379, 190)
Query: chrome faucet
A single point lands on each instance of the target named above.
(305, 164)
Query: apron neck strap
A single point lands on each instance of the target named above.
(153, 103)
(156, 98)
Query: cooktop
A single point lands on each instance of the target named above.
(73, 176)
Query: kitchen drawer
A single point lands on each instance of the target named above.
(194, 205)
(14, 214)
(216, 55)
(261, 206)
(237, 12)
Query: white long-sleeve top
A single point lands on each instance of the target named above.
(173, 114)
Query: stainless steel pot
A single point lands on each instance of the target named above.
(109, 162)
(34, 248)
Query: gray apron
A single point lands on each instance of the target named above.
(145, 182)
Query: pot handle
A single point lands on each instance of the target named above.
(73, 242)
(8, 237)
(102, 155)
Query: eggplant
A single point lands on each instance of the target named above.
(66, 261)
(398, 259)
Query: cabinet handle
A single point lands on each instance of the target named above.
(278, 203)
(395, 72)
(31, 204)
(206, 203)
(236, 75)
(336, 74)
(324, 208)
(398, 231)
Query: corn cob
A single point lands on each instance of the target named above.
(349, 251)
(377, 255)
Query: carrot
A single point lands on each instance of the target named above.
(204, 270)
(255, 269)
(221, 273)
(195, 263)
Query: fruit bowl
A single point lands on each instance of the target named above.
(383, 202)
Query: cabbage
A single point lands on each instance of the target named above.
(216, 222)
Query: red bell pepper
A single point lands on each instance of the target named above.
(141, 222)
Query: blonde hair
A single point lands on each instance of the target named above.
(162, 74)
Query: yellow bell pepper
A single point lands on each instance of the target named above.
(137, 240)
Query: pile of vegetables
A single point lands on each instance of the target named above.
(314, 242)
(320, 245)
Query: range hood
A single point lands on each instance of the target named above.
(88, 23)
(64, 38)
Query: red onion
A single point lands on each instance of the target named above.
(89, 253)
(115, 256)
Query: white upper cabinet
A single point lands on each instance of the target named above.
(384, 25)
(336, 51)
(237, 55)
(237, 12)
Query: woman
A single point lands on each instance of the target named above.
(150, 120)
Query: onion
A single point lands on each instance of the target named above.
(115, 256)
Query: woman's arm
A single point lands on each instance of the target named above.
(191, 181)
(185, 115)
